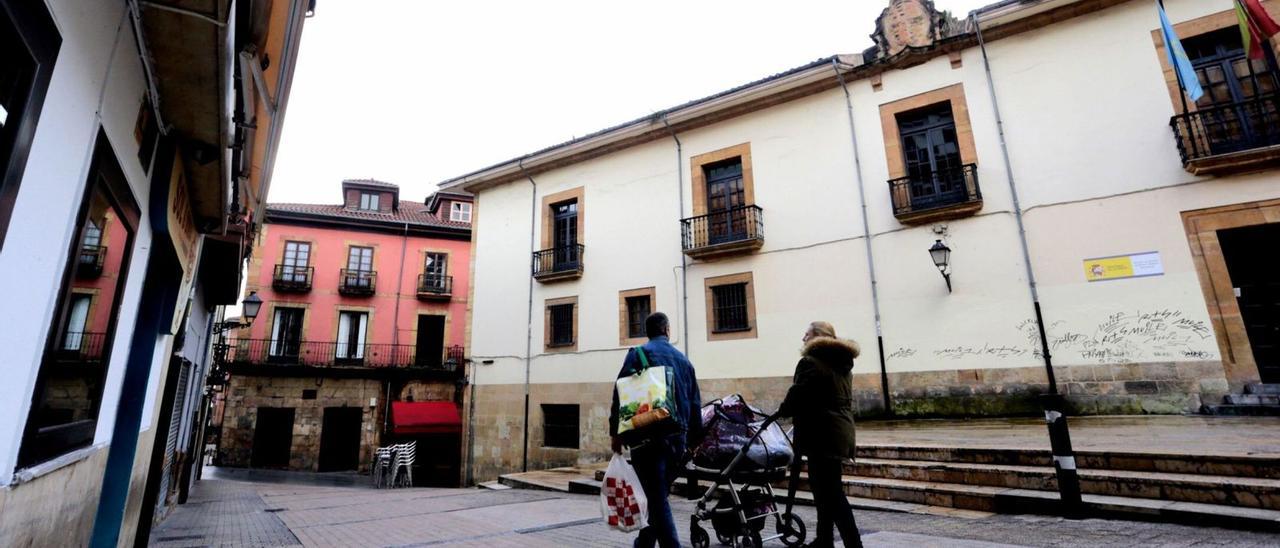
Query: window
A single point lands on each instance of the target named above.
(561, 324)
(560, 425)
(931, 152)
(286, 333)
(727, 220)
(634, 306)
(436, 267)
(351, 335)
(730, 307)
(68, 390)
(369, 201)
(1227, 74)
(565, 234)
(637, 311)
(460, 211)
(359, 272)
(30, 43)
(297, 256)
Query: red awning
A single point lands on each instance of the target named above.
(425, 417)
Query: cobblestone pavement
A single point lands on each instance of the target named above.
(238, 513)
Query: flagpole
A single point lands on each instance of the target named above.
(1182, 90)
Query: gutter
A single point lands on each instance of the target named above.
(528, 339)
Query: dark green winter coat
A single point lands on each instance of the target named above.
(821, 398)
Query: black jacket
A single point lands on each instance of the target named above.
(821, 398)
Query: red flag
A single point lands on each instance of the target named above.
(1260, 19)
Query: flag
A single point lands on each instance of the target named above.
(1256, 26)
(1186, 74)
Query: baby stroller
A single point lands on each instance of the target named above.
(743, 454)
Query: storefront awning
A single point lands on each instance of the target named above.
(426, 417)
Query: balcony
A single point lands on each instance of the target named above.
(558, 263)
(357, 283)
(80, 347)
(936, 196)
(292, 279)
(337, 354)
(735, 230)
(434, 287)
(1231, 137)
(89, 261)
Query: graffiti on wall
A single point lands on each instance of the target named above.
(1160, 334)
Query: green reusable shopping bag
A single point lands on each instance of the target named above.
(646, 402)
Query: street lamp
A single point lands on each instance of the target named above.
(941, 255)
(249, 309)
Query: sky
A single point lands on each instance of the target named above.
(417, 92)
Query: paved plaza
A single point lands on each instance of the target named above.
(279, 509)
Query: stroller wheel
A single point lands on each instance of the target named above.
(750, 540)
(698, 537)
(791, 527)
(724, 539)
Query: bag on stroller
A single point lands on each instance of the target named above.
(730, 424)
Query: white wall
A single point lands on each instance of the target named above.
(97, 82)
(1086, 116)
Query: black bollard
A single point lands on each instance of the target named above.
(1064, 459)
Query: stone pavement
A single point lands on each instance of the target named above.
(224, 512)
(1194, 435)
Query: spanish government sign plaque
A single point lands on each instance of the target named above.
(1137, 265)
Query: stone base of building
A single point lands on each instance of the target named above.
(1114, 389)
(309, 397)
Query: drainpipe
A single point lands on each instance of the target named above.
(395, 322)
(684, 259)
(528, 339)
(1064, 462)
(866, 238)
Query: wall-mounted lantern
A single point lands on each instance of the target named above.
(941, 255)
(249, 309)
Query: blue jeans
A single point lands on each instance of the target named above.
(657, 464)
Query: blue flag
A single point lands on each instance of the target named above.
(1178, 58)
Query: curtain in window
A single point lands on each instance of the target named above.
(351, 335)
(77, 319)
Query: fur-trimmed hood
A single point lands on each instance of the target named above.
(836, 353)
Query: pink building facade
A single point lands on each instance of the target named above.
(364, 306)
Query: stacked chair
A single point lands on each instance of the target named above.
(393, 465)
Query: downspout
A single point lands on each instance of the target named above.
(395, 322)
(684, 259)
(1064, 461)
(528, 339)
(866, 238)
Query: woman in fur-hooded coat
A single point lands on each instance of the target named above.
(821, 398)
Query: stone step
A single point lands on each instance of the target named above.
(1252, 399)
(1214, 465)
(1232, 491)
(1227, 410)
(1029, 501)
(1262, 388)
(586, 486)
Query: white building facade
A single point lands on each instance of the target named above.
(816, 194)
(131, 165)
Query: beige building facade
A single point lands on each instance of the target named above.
(817, 193)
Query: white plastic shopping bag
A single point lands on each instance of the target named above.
(622, 501)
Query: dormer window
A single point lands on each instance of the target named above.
(369, 201)
(461, 212)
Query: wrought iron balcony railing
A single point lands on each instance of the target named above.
(90, 260)
(558, 262)
(78, 346)
(936, 195)
(357, 282)
(434, 286)
(1227, 129)
(336, 354)
(722, 232)
(289, 278)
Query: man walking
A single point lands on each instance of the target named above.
(658, 461)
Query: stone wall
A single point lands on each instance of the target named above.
(246, 394)
(56, 509)
(1117, 389)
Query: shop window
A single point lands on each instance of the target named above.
(68, 392)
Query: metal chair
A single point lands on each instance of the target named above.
(403, 459)
(382, 466)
